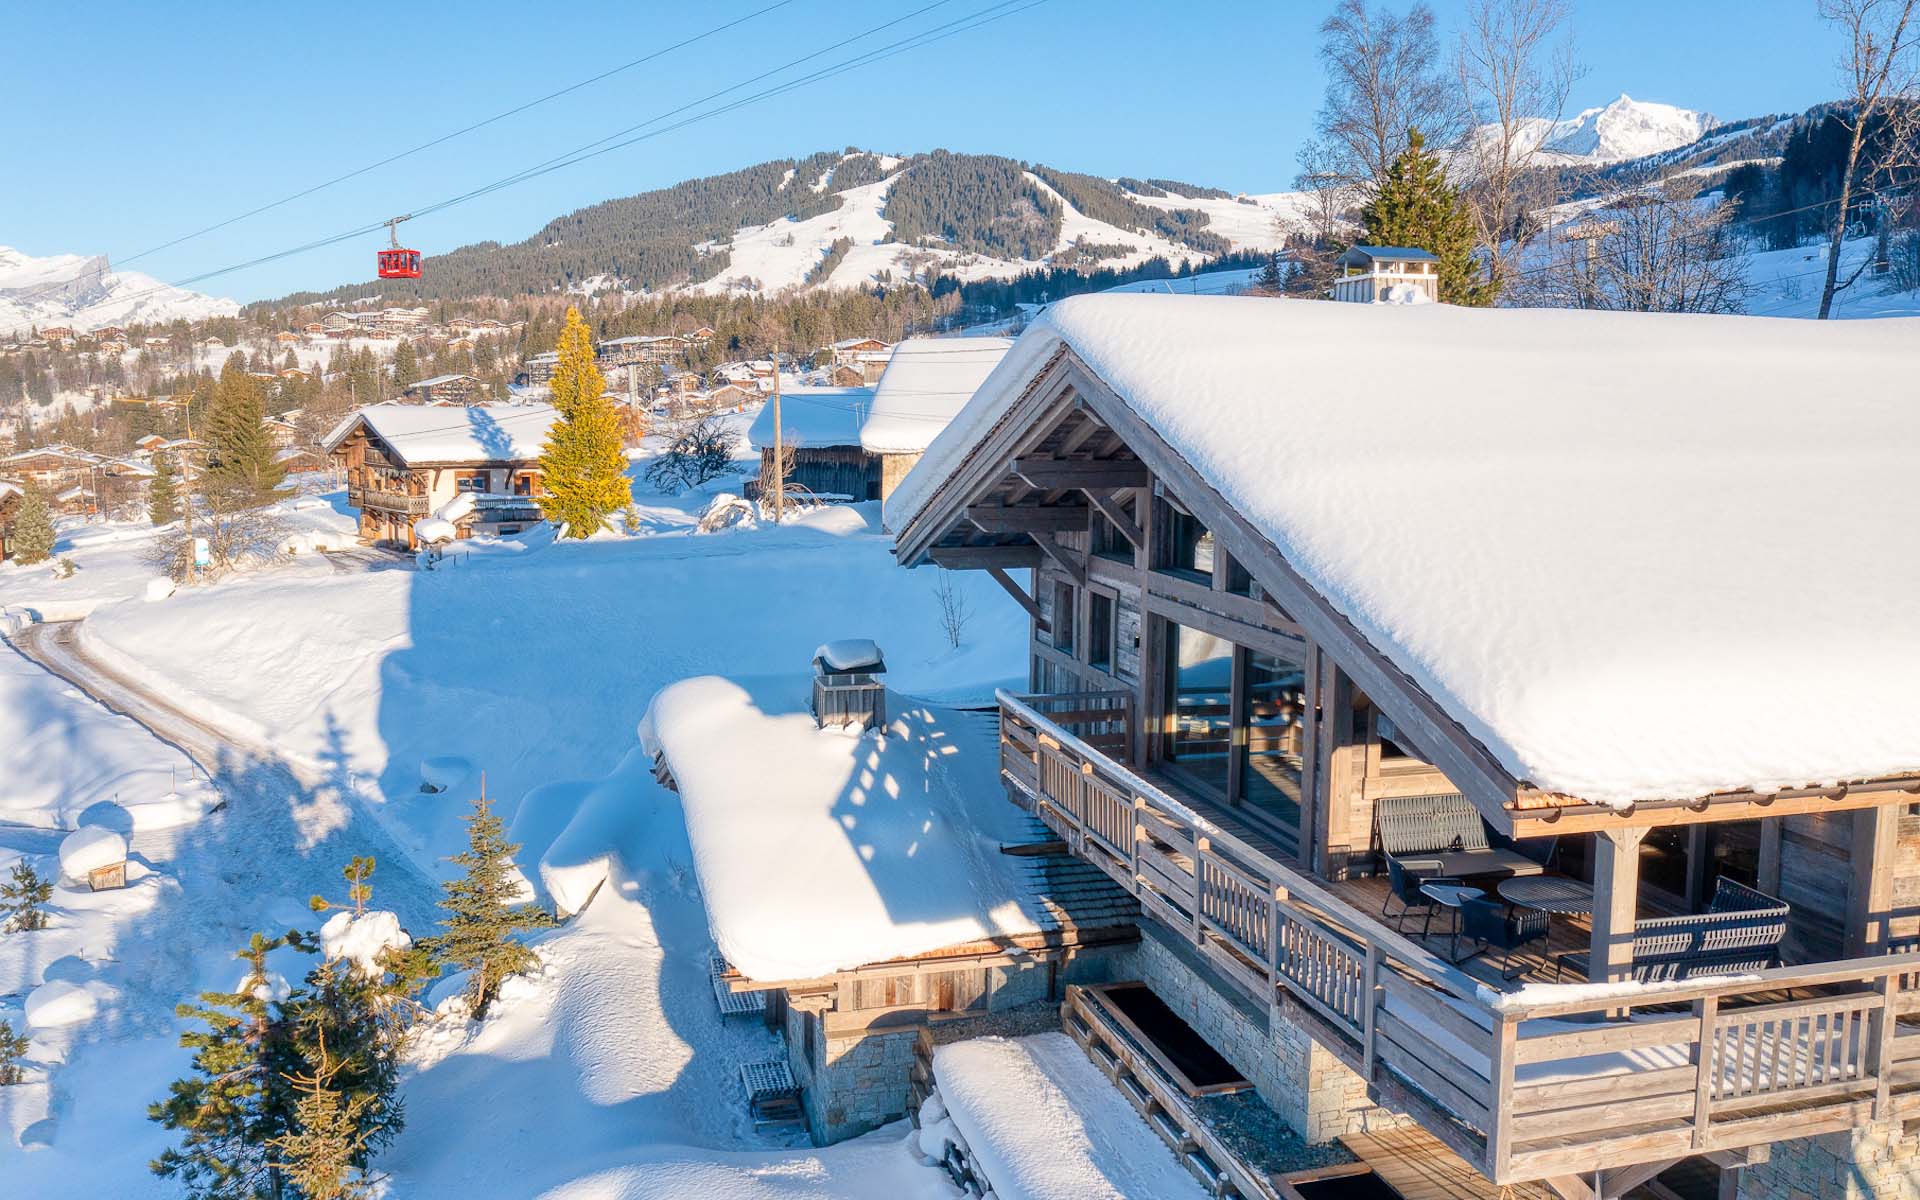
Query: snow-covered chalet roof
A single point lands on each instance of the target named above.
(819, 850)
(476, 433)
(927, 381)
(814, 416)
(1638, 556)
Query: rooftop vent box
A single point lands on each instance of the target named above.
(846, 687)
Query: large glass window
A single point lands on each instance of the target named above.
(1276, 698)
(1199, 702)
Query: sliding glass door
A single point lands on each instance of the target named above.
(1236, 724)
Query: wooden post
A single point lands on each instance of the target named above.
(1200, 847)
(1706, 1011)
(1616, 896)
(1882, 1043)
(779, 456)
(1506, 1033)
(1370, 999)
(1876, 839)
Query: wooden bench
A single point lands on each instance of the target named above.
(1740, 931)
(1447, 834)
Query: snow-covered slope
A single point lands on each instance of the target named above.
(84, 292)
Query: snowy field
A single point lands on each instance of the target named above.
(320, 687)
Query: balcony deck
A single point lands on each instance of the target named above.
(1522, 1086)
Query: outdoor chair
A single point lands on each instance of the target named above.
(1404, 878)
(1495, 926)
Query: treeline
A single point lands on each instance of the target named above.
(985, 296)
(1161, 187)
(978, 203)
(1104, 201)
(1788, 203)
(835, 255)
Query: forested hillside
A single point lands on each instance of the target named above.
(942, 203)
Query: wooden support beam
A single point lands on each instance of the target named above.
(1055, 473)
(1876, 839)
(1616, 897)
(1062, 557)
(975, 558)
(1000, 518)
(1109, 508)
(1621, 1180)
(1020, 596)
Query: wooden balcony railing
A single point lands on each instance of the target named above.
(393, 502)
(1552, 1081)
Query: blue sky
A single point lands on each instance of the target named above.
(128, 124)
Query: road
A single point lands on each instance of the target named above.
(286, 830)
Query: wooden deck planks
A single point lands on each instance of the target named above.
(1415, 1164)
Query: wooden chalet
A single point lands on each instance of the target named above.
(406, 462)
(444, 389)
(1311, 648)
(11, 499)
(820, 433)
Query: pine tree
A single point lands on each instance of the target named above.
(324, 1156)
(1416, 206)
(336, 1029)
(237, 1100)
(406, 366)
(481, 919)
(23, 898)
(163, 498)
(33, 528)
(241, 463)
(13, 1047)
(583, 465)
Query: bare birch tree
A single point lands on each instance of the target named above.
(1881, 67)
(1383, 81)
(1513, 68)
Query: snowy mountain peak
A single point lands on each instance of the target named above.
(85, 292)
(1627, 128)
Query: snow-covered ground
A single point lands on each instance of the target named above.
(324, 690)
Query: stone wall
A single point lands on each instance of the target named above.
(1877, 1162)
(1313, 1091)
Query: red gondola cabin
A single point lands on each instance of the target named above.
(399, 264)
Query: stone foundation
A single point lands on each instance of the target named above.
(1314, 1092)
(1877, 1162)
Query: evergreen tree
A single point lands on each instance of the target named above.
(237, 1100)
(336, 1032)
(406, 365)
(241, 464)
(1415, 206)
(324, 1154)
(481, 918)
(583, 464)
(13, 1047)
(23, 898)
(163, 499)
(33, 528)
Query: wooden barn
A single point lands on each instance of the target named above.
(820, 428)
(1444, 725)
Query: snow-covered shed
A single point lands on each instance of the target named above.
(1386, 275)
(851, 874)
(820, 431)
(927, 381)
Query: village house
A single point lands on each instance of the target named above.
(110, 333)
(1499, 653)
(626, 351)
(281, 431)
(476, 466)
(926, 383)
(1386, 274)
(846, 375)
(538, 368)
(287, 337)
(848, 350)
(314, 329)
(444, 389)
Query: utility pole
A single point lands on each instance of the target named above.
(779, 448)
(186, 493)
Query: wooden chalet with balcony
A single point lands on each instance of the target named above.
(1597, 664)
(407, 462)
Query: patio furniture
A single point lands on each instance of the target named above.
(1740, 931)
(1404, 880)
(1449, 894)
(1494, 925)
(1446, 829)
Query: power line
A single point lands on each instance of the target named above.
(998, 11)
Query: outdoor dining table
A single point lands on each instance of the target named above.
(1555, 895)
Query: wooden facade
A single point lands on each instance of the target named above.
(392, 493)
(1209, 731)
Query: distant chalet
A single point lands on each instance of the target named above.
(405, 462)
